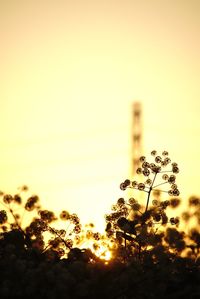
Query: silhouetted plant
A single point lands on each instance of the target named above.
(153, 255)
(135, 227)
(41, 233)
(191, 223)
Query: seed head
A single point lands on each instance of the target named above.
(134, 183)
(165, 153)
(158, 159)
(142, 159)
(153, 153)
(141, 186)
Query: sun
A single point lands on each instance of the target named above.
(104, 253)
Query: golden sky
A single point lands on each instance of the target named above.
(69, 73)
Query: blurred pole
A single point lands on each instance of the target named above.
(137, 136)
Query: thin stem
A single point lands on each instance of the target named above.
(148, 200)
(16, 221)
(55, 232)
(45, 248)
(157, 229)
(27, 240)
(160, 184)
(22, 217)
(149, 192)
(128, 204)
(138, 189)
(153, 182)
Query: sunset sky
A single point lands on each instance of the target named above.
(69, 73)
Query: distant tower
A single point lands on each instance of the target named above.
(136, 136)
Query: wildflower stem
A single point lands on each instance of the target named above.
(58, 235)
(45, 248)
(128, 204)
(148, 200)
(149, 192)
(160, 184)
(27, 240)
(22, 217)
(16, 221)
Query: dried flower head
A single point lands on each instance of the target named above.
(165, 177)
(131, 200)
(145, 165)
(158, 159)
(3, 217)
(155, 202)
(165, 153)
(146, 172)
(7, 198)
(139, 170)
(153, 153)
(121, 201)
(64, 215)
(142, 158)
(148, 181)
(175, 169)
(134, 184)
(122, 186)
(172, 179)
(141, 186)
(31, 203)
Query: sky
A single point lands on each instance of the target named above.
(69, 74)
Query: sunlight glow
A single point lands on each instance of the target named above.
(104, 253)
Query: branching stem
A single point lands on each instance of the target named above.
(58, 235)
(160, 184)
(149, 192)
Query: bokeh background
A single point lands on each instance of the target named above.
(70, 71)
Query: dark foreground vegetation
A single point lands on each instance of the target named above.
(154, 255)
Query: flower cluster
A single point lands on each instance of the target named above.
(31, 203)
(138, 224)
(41, 233)
(162, 165)
(59, 241)
(3, 217)
(47, 216)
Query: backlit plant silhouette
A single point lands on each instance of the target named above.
(154, 255)
(41, 232)
(134, 226)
